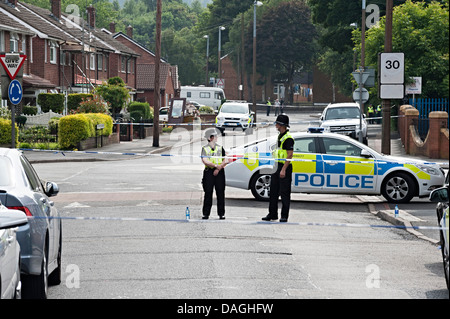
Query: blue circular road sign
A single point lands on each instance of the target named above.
(15, 92)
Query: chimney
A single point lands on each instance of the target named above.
(112, 27)
(130, 31)
(56, 8)
(91, 16)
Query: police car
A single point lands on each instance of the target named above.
(333, 164)
(235, 115)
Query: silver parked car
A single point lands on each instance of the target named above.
(10, 285)
(41, 239)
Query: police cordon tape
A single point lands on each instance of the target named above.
(234, 157)
(242, 222)
(259, 123)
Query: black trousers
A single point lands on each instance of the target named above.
(211, 182)
(280, 187)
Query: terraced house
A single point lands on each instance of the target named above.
(64, 52)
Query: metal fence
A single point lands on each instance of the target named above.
(425, 107)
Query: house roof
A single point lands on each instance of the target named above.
(145, 77)
(123, 35)
(34, 22)
(42, 22)
(31, 80)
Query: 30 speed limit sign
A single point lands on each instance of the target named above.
(392, 68)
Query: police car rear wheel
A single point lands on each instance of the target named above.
(398, 188)
(260, 186)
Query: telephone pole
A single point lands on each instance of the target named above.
(157, 98)
(386, 104)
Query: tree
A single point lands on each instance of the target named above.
(115, 93)
(421, 32)
(335, 20)
(286, 41)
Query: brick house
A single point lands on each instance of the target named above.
(145, 83)
(64, 53)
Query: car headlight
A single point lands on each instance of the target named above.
(427, 169)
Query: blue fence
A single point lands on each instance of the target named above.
(425, 106)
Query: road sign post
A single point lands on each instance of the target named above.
(11, 84)
(361, 95)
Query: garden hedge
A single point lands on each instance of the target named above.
(5, 132)
(75, 128)
(51, 101)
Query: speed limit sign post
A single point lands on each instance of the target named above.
(391, 67)
(392, 75)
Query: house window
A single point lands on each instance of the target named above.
(62, 57)
(124, 64)
(2, 41)
(24, 44)
(128, 65)
(53, 45)
(13, 42)
(99, 62)
(92, 61)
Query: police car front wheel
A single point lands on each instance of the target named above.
(398, 188)
(260, 186)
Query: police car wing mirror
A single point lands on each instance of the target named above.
(365, 154)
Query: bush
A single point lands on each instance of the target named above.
(21, 120)
(51, 101)
(73, 129)
(74, 100)
(29, 110)
(5, 132)
(78, 127)
(93, 105)
(53, 125)
(206, 110)
(140, 110)
(99, 118)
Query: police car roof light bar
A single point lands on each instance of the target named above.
(315, 129)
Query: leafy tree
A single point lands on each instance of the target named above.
(420, 31)
(115, 93)
(286, 40)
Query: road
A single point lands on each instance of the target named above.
(235, 258)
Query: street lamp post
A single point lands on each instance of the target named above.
(220, 45)
(207, 58)
(255, 4)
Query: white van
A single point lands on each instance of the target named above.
(209, 96)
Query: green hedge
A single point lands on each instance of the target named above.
(75, 128)
(140, 110)
(74, 100)
(5, 132)
(51, 101)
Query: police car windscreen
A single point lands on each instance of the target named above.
(342, 113)
(234, 108)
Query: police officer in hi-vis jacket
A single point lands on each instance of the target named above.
(214, 174)
(281, 179)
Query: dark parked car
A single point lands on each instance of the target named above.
(41, 239)
(440, 196)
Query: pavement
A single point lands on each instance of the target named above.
(144, 147)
